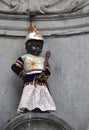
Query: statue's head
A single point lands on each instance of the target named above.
(34, 41)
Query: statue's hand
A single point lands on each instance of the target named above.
(43, 76)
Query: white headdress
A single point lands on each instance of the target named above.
(34, 34)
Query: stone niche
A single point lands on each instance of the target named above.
(65, 27)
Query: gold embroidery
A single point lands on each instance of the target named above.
(33, 63)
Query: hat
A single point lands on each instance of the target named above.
(33, 34)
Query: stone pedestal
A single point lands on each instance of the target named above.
(37, 121)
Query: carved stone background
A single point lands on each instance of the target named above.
(47, 6)
(65, 27)
(15, 16)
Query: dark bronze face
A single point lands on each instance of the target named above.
(34, 47)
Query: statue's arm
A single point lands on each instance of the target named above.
(47, 70)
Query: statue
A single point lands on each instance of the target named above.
(34, 70)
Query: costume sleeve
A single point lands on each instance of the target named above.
(18, 67)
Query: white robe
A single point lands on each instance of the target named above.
(36, 96)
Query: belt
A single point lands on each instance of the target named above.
(32, 83)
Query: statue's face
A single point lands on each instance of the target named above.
(34, 47)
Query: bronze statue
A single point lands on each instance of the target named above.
(34, 70)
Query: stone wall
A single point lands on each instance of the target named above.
(66, 36)
(68, 83)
